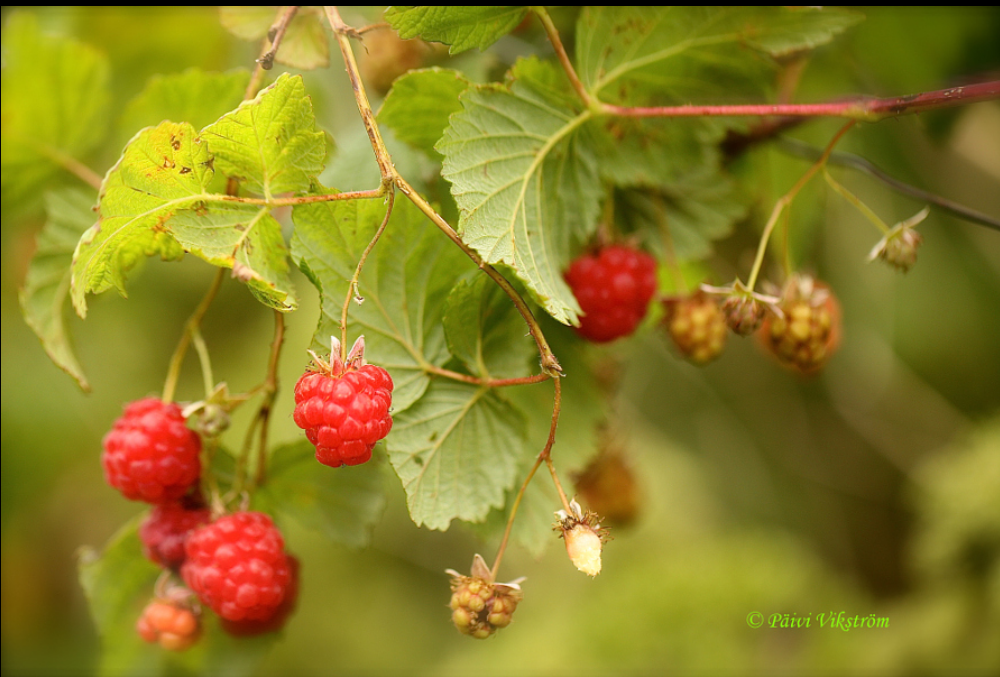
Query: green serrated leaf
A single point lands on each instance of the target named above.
(245, 238)
(461, 27)
(344, 504)
(526, 185)
(163, 169)
(271, 143)
(55, 104)
(456, 451)
(46, 285)
(192, 96)
(485, 331)
(698, 210)
(694, 53)
(419, 103)
(118, 582)
(404, 284)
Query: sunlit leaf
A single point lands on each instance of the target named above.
(270, 143)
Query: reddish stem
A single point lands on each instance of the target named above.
(863, 108)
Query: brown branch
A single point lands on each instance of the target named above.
(567, 65)
(276, 34)
(868, 109)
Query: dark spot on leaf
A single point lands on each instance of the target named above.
(185, 170)
(168, 163)
(175, 143)
(240, 227)
(433, 436)
(210, 163)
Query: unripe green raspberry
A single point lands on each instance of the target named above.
(479, 606)
(697, 326)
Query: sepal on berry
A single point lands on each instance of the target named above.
(584, 537)
(479, 607)
(899, 246)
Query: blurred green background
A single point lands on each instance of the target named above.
(871, 489)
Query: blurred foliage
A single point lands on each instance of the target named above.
(869, 489)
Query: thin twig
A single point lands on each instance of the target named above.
(343, 32)
(173, 371)
(804, 150)
(567, 65)
(546, 457)
(276, 34)
(352, 286)
(270, 392)
(488, 382)
(549, 363)
(786, 200)
(869, 109)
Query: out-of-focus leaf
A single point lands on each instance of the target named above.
(46, 285)
(55, 104)
(344, 503)
(419, 104)
(192, 96)
(460, 27)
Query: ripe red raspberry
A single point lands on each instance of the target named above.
(164, 532)
(344, 409)
(697, 325)
(174, 626)
(613, 289)
(249, 628)
(150, 454)
(237, 566)
(803, 330)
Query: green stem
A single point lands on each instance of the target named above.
(270, 393)
(786, 200)
(208, 381)
(567, 65)
(352, 287)
(544, 457)
(856, 201)
(173, 371)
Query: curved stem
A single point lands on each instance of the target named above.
(173, 371)
(487, 383)
(786, 200)
(343, 32)
(208, 381)
(546, 457)
(801, 149)
(270, 392)
(550, 365)
(856, 201)
(352, 287)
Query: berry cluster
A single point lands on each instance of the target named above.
(173, 625)
(480, 608)
(344, 408)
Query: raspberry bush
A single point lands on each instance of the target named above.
(499, 200)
